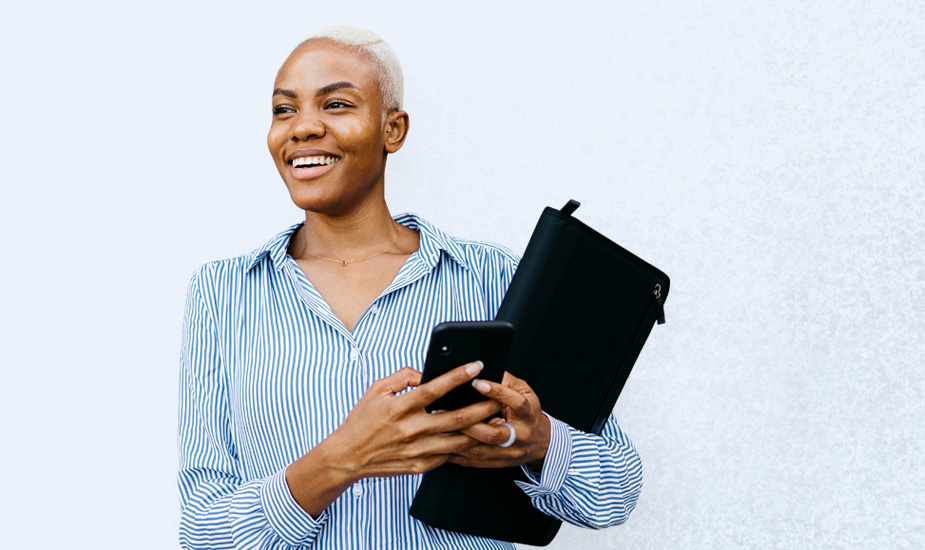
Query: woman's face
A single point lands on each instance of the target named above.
(328, 132)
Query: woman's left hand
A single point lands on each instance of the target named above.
(521, 409)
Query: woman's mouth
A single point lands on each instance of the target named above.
(308, 167)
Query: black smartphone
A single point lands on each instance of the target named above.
(458, 343)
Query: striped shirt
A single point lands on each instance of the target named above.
(267, 371)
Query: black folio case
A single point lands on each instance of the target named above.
(582, 307)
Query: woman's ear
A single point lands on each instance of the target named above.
(396, 129)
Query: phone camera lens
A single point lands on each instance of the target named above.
(445, 349)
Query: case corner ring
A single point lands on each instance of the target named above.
(510, 440)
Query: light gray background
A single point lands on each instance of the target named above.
(767, 156)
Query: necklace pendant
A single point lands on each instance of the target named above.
(343, 262)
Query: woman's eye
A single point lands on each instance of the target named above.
(281, 109)
(336, 104)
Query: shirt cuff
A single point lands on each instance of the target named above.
(555, 465)
(284, 515)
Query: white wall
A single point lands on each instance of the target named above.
(767, 156)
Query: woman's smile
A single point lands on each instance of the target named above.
(306, 164)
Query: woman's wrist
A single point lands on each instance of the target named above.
(539, 455)
(320, 476)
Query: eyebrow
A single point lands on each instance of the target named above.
(336, 86)
(287, 93)
(321, 91)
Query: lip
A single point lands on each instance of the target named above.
(309, 172)
(308, 153)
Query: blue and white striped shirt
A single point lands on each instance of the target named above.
(267, 371)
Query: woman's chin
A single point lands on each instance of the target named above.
(321, 197)
(320, 203)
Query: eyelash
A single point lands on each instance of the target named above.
(333, 104)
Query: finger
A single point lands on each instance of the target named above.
(409, 466)
(397, 382)
(489, 434)
(448, 421)
(504, 395)
(515, 383)
(482, 463)
(487, 456)
(436, 444)
(425, 394)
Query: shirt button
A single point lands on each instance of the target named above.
(373, 309)
(357, 490)
(353, 354)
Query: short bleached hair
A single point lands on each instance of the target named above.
(391, 78)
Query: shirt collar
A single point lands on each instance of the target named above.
(433, 241)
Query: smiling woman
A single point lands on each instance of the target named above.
(296, 356)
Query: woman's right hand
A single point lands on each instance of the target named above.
(388, 433)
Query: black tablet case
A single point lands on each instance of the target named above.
(582, 307)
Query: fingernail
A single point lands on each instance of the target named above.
(481, 385)
(474, 368)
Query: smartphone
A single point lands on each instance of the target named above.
(458, 343)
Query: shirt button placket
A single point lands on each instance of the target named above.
(357, 362)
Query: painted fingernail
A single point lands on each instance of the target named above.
(481, 385)
(474, 368)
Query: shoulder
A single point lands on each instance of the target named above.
(217, 284)
(214, 271)
(480, 254)
(229, 276)
(488, 267)
(248, 265)
(473, 255)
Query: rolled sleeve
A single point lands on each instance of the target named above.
(284, 515)
(555, 465)
(592, 481)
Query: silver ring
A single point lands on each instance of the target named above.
(510, 440)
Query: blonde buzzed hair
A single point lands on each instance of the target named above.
(391, 78)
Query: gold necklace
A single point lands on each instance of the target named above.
(345, 262)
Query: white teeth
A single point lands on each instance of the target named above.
(309, 161)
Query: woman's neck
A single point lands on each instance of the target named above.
(357, 234)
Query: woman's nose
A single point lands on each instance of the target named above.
(307, 126)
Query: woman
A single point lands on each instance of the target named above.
(296, 429)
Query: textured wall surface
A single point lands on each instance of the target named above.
(768, 157)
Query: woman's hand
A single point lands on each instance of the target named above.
(386, 434)
(521, 409)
